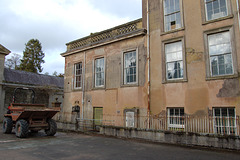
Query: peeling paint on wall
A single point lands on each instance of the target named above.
(193, 56)
(163, 113)
(230, 88)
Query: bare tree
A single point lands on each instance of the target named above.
(13, 62)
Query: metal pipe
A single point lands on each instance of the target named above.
(83, 83)
(237, 1)
(148, 56)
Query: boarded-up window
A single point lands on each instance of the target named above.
(130, 119)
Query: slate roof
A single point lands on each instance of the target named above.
(29, 78)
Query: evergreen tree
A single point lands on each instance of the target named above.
(54, 73)
(32, 57)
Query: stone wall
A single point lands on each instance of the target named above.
(180, 138)
(167, 137)
(2, 60)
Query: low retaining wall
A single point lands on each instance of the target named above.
(168, 137)
(182, 138)
(65, 126)
(68, 126)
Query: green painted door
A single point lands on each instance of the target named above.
(98, 116)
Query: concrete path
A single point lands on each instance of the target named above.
(73, 146)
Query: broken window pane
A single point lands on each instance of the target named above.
(172, 16)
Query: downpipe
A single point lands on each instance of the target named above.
(148, 61)
(83, 85)
(238, 12)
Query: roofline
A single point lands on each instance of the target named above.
(96, 33)
(6, 51)
(129, 35)
(32, 86)
(33, 73)
(24, 84)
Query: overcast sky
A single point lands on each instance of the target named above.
(56, 22)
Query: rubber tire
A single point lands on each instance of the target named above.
(21, 128)
(52, 128)
(7, 125)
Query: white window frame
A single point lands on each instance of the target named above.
(174, 60)
(99, 72)
(174, 121)
(229, 29)
(212, 1)
(78, 75)
(174, 23)
(221, 54)
(219, 127)
(125, 68)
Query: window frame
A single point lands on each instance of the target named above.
(209, 75)
(164, 63)
(204, 12)
(75, 76)
(163, 18)
(123, 68)
(179, 117)
(219, 119)
(94, 73)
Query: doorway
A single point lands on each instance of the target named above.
(97, 116)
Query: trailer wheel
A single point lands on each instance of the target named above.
(7, 125)
(52, 128)
(21, 128)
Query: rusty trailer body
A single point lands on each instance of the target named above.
(36, 114)
(29, 117)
